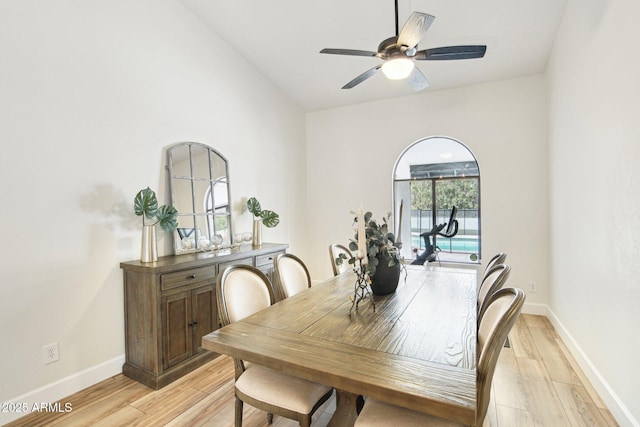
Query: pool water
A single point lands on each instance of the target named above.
(455, 244)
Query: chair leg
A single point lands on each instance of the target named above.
(269, 418)
(306, 421)
(238, 419)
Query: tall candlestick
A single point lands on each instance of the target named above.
(399, 233)
(362, 239)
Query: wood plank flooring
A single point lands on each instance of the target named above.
(537, 383)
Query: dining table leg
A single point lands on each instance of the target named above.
(346, 409)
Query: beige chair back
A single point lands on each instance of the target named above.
(494, 280)
(499, 258)
(242, 290)
(334, 252)
(502, 311)
(292, 276)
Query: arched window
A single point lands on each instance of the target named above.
(430, 177)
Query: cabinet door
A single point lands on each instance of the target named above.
(205, 314)
(176, 328)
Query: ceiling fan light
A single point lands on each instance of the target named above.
(398, 68)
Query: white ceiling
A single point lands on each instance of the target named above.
(282, 39)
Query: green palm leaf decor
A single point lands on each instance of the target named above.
(145, 205)
(269, 218)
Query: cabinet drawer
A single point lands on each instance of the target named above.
(187, 277)
(241, 261)
(266, 260)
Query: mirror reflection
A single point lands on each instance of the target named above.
(199, 186)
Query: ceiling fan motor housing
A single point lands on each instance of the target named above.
(389, 48)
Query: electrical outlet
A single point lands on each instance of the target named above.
(50, 353)
(533, 287)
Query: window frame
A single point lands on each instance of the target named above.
(459, 256)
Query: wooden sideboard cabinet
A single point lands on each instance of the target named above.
(170, 304)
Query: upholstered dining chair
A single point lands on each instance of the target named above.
(334, 252)
(241, 291)
(499, 258)
(502, 311)
(291, 275)
(494, 280)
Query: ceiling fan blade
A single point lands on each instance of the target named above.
(414, 29)
(451, 53)
(353, 52)
(362, 77)
(417, 80)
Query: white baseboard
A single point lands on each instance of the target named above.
(610, 398)
(62, 388)
(538, 309)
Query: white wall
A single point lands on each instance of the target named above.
(92, 94)
(594, 108)
(351, 152)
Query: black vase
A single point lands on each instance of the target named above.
(385, 281)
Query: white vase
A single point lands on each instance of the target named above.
(257, 233)
(149, 251)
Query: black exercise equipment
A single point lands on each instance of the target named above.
(429, 253)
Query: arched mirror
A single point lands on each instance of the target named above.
(431, 176)
(199, 186)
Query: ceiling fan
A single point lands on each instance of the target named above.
(399, 53)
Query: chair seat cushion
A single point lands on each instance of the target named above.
(279, 389)
(379, 414)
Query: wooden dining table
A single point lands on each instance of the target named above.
(417, 349)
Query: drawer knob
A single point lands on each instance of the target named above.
(193, 276)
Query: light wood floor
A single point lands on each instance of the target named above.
(537, 383)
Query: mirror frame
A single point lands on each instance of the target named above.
(190, 218)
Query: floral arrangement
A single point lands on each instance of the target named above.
(372, 244)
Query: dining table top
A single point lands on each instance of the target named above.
(417, 349)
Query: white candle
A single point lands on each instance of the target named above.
(362, 239)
